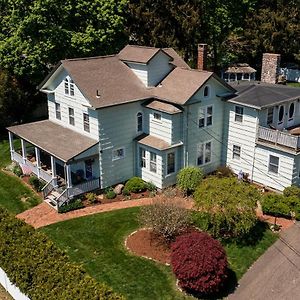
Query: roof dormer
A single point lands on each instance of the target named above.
(150, 65)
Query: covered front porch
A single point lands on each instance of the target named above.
(67, 161)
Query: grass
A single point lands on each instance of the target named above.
(294, 84)
(14, 195)
(97, 242)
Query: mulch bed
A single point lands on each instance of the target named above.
(144, 243)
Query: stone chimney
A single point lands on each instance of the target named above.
(202, 57)
(270, 67)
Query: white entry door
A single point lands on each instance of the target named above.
(291, 114)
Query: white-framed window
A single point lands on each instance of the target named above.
(205, 116)
(153, 164)
(71, 116)
(273, 164)
(69, 86)
(157, 116)
(204, 153)
(57, 111)
(118, 153)
(66, 86)
(170, 163)
(86, 122)
(206, 91)
(139, 122)
(270, 115)
(143, 158)
(236, 152)
(239, 111)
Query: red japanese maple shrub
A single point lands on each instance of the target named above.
(199, 262)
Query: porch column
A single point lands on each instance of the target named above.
(38, 160)
(242, 76)
(11, 145)
(53, 169)
(23, 144)
(69, 177)
(235, 76)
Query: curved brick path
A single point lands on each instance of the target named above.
(43, 215)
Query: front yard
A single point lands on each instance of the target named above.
(14, 195)
(97, 242)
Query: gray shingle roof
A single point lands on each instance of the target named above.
(164, 107)
(55, 139)
(263, 95)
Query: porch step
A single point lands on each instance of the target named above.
(51, 199)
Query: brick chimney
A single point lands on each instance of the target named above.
(202, 57)
(270, 67)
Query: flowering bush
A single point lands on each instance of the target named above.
(199, 263)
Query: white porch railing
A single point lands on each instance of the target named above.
(32, 167)
(17, 157)
(278, 137)
(84, 187)
(47, 176)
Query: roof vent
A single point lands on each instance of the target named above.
(98, 94)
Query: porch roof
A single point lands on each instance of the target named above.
(152, 141)
(61, 142)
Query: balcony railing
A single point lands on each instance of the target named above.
(278, 137)
(84, 187)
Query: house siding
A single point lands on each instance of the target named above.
(242, 134)
(141, 71)
(117, 129)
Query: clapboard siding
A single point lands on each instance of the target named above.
(117, 129)
(286, 169)
(160, 128)
(141, 71)
(213, 133)
(242, 134)
(158, 68)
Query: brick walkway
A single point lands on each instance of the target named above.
(43, 215)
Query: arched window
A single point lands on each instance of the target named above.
(206, 92)
(291, 110)
(67, 86)
(139, 122)
(280, 114)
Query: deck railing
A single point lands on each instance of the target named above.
(84, 187)
(63, 199)
(278, 137)
(47, 176)
(48, 188)
(17, 157)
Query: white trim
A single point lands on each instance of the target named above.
(239, 157)
(270, 172)
(175, 163)
(205, 117)
(238, 114)
(114, 158)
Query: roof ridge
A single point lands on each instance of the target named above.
(147, 47)
(89, 58)
(194, 70)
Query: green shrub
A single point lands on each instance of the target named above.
(125, 192)
(135, 185)
(17, 170)
(91, 198)
(110, 194)
(189, 178)
(40, 269)
(291, 191)
(76, 204)
(281, 206)
(227, 206)
(36, 183)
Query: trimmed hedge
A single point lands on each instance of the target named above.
(199, 263)
(40, 269)
(281, 206)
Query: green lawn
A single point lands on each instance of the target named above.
(295, 84)
(14, 195)
(97, 242)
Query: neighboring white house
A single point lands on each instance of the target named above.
(142, 112)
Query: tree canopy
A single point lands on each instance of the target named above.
(34, 35)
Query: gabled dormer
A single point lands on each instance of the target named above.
(150, 65)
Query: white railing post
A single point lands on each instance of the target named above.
(69, 177)
(11, 145)
(23, 144)
(38, 161)
(53, 170)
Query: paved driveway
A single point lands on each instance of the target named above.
(276, 274)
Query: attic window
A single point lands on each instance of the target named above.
(69, 87)
(206, 92)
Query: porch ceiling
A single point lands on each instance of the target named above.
(61, 142)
